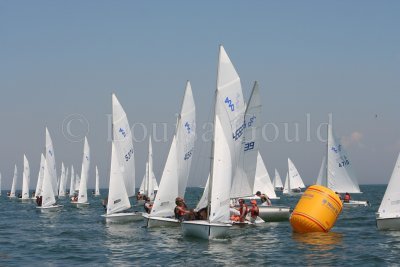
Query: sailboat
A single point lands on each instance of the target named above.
(38, 189)
(388, 215)
(26, 176)
(62, 184)
(14, 182)
(123, 142)
(47, 193)
(293, 182)
(82, 196)
(278, 185)
(72, 183)
(227, 140)
(176, 171)
(118, 200)
(263, 184)
(337, 173)
(147, 185)
(97, 188)
(51, 162)
(122, 172)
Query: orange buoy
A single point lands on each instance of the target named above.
(316, 211)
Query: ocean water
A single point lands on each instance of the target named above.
(80, 236)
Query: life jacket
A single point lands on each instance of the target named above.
(243, 212)
(254, 211)
(178, 213)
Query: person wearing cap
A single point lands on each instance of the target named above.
(254, 211)
(264, 199)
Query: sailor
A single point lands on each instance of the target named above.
(243, 210)
(347, 198)
(181, 212)
(264, 199)
(254, 211)
(147, 204)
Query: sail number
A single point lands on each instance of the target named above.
(248, 146)
(122, 131)
(129, 154)
(188, 155)
(344, 162)
(230, 104)
(187, 126)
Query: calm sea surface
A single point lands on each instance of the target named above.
(80, 236)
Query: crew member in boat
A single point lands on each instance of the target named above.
(104, 203)
(139, 196)
(254, 211)
(264, 199)
(147, 204)
(181, 212)
(39, 200)
(347, 198)
(243, 210)
(234, 213)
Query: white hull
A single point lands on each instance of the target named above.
(356, 203)
(388, 223)
(124, 217)
(274, 213)
(80, 205)
(25, 199)
(160, 222)
(204, 229)
(50, 208)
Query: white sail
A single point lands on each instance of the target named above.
(155, 184)
(287, 188)
(14, 182)
(262, 181)
(51, 162)
(26, 177)
(97, 188)
(390, 205)
(321, 180)
(123, 142)
(243, 183)
(204, 198)
(148, 186)
(295, 178)
(118, 199)
(176, 171)
(65, 181)
(38, 190)
(77, 182)
(72, 182)
(340, 175)
(277, 180)
(82, 197)
(48, 198)
(230, 108)
(61, 190)
(221, 177)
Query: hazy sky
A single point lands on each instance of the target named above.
(311, 58)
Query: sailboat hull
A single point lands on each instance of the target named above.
(388, 223)
(153, 222)
(274, 213)
(204, 229)
(123, 217)
(80, 205)
(50, 208)
(356, 203)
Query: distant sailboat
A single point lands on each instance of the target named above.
(72, 183)
(62, 186)
(278, 185)
(262, 181)
(388, 215)
(176, 171)
(47, 194)
(147, 186)
(51, 162)
(39, 183)
(14, 182)
(26, 176)
(82, 196)
(293, 182)
(97, 188)
(337, 173)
